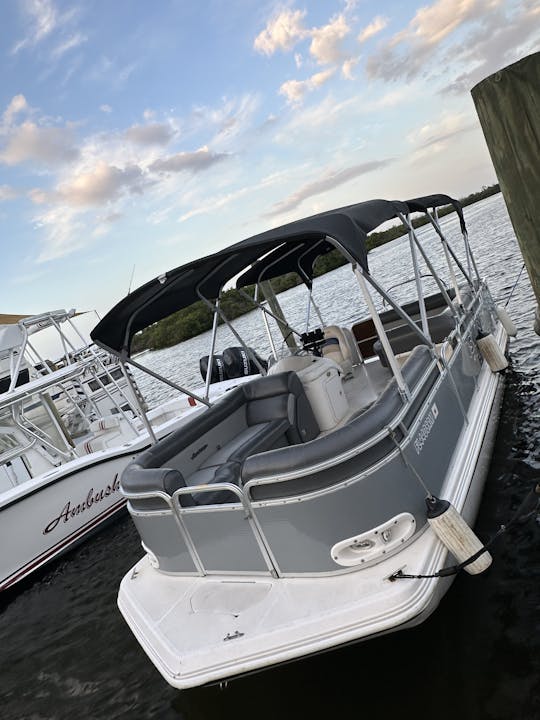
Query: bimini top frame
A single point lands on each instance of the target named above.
(346, 228)
(291, 247)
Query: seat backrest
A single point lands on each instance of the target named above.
(268, 396)
(337, 348)
(356, 355)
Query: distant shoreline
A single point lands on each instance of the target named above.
(197, 318)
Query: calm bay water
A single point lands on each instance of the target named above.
(65, 651)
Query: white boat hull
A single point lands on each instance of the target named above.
(199, 630)
(53, 517)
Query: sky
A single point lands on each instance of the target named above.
(137, 136)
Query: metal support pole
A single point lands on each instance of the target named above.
(406, 319)
(449, 251)
(316, 308)
(15, 366)
(145, 420)
(162, 379)
(419, 288)
(433, 272)
(396, 370)
(279, 320)
(212, 348)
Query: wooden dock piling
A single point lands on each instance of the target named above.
(508, 105)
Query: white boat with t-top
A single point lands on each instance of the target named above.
(328, 499)
(67, 430)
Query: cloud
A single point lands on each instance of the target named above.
(64, 233)
(347, 68)
(220, 201)
(193, 162)
(500, 40)
(43, 19)
(331, 118)
(103, 184)
(326, 47)
(389, 99)
(104, 223)
(94, 189)
(115, 71)
(326, 41)
(295, 90)
(153, 134)
(215, 203)
(375, 26)
(111, 217)
(27, 278)
(329, 181)
(7, 193)
(282, 32)
(105, 108)
(435, 136)
(405, 55)
(17, 104)
(68, 44)
(70, 223)
(39, 196)
(45, 145)
(316, 117)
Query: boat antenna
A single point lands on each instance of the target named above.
(131, 279)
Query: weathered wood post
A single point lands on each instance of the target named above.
(508, 105)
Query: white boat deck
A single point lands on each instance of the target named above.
(201, 630)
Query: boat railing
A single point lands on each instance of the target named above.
(51, 440)
(181, 513)
(387, 431)
(17, 451)
(398, 429)
(243, 494)
(178, 511)
(408, 281)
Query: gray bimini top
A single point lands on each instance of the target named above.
(291, 247)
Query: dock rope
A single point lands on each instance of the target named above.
(514, 286)
(529, 508)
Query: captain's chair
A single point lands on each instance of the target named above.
(341, 347)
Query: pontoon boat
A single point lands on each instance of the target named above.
(310, 506)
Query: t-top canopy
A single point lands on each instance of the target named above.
(289, 247)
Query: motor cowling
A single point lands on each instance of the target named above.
(240, 362)
(218, 372)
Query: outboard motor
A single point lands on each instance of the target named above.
(218, 371)
(240, 362)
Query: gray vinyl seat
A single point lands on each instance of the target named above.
(265, 414)
(323, 449)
